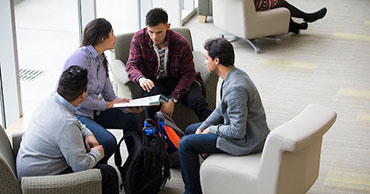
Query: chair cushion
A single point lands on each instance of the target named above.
(221, 168)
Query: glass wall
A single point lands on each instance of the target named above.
(122, 14)
(48, 31)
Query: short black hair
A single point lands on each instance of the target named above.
(72, 83)
(156, 16)
(222, 49)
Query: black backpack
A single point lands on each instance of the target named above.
(146, 169)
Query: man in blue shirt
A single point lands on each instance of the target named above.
(238, 124)
(55, 142)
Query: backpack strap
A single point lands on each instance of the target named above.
(166, 120)
(117, 155)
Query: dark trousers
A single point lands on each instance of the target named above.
(194, 98)
(112, 119)
(109, 178)
(190, 146)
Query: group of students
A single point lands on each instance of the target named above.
(67, 132)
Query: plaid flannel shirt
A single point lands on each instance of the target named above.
(143, 61)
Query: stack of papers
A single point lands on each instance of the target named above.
(145, 101)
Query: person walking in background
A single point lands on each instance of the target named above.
(98, 114)
(55, 142)
(294, 27)
(238, 124)
(161, 62)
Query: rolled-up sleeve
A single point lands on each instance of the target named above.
(73, 148)
(135, 59)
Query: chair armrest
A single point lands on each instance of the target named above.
(87, 181)
(16, 141)
(119, 71)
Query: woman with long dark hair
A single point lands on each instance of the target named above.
(98, 114)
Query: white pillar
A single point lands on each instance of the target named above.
(86, 13)
(12, 102)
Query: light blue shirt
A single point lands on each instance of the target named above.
(54, 141)
(99, 82)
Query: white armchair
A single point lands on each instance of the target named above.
(240, 18)
(288, 164)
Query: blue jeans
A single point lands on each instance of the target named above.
(112, 119)
(190, 146)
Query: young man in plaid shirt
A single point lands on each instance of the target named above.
(161, 62)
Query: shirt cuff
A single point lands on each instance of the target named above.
(213, 129)
(137, 79)
(96, 154)
(203, 126)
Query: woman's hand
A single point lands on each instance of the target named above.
(117, 100)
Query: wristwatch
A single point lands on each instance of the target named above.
(174, 100)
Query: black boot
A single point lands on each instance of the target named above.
(296, 27)
(315, 16)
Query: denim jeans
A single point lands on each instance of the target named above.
(190, 146)
(112, 119)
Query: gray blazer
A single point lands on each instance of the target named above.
(239, 119)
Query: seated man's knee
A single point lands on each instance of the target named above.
(185, 143)
(192, 128)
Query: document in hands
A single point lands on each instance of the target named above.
(145, 101)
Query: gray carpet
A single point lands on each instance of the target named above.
(328, 64)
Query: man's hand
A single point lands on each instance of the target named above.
(206, 131)
(117, 100)
(198, 131)
(100, 148)
(168, 107)
(146, 84)
(91, 142)
(135, 110)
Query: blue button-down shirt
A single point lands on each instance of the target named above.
(99, 82)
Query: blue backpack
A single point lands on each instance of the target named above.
(166, 128)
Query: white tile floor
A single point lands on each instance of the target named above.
(47, 33)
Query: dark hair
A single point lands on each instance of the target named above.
(72, 83)
(94, 31)
(156, 16)
(222, 49)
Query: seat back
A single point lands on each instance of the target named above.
(122, 46)
(205, 7)
(291, 157)
(240, 18)
(8, 179)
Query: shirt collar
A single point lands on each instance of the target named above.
(65, 103)
(92, 51)
(229, 73)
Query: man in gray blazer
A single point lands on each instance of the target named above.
(238, 124)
